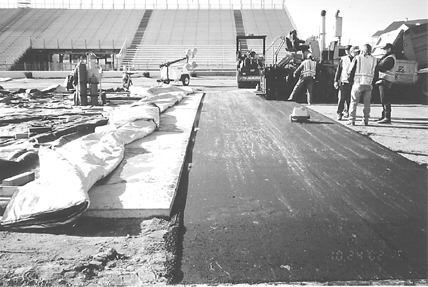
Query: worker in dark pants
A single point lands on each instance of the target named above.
(386, 77)
(341, 82)
(307, 70)
(80, 82)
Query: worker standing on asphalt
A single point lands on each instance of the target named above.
(341, 82)
(362, 75)
(386, 76)
(307, 70)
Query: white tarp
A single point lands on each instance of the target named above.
(67, 173)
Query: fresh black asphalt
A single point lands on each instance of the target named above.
(268, 200)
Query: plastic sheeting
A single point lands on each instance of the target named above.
(67, 173)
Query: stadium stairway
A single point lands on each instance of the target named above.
(240, 29)
(138, 37)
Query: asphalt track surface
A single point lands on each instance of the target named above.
(267, 200)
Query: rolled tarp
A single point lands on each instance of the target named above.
(60, 194)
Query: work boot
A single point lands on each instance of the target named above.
(381, 118)
(365, 122)
(339, 117)
(350, 123)
(384, 121)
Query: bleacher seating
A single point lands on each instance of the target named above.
(18, 33)
(213, 32)
(271, 23)
(90, 29)
(168, 33)
(69, 29)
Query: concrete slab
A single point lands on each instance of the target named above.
(145, 183)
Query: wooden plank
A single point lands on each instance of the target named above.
(19, 179)
(8, 191)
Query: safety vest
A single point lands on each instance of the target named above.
(365, 70)
(309, 68)
(346, 62)
(389, 75)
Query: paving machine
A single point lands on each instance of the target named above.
(171, 72)
(250, 54)
(277, 81)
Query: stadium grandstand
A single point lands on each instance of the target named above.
(53, 35)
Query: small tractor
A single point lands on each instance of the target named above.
(170, 72)
(250, 54)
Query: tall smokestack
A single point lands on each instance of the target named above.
(338, 30)
(322, 33)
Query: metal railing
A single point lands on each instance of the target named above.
(208, 57)
(145, 4)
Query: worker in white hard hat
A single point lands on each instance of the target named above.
(362, 75)
(307, 71)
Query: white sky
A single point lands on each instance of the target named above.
(361, 18)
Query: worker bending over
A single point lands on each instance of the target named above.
(307, 70)
(362, 75)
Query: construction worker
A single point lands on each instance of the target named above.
(341, 82)
(386, 76)
(307, 70)
(362, 75)
(293, 42)
(80, 80)
(94, 78)
(126, 78)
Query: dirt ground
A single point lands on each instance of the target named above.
(133, 252)
(92, 252)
